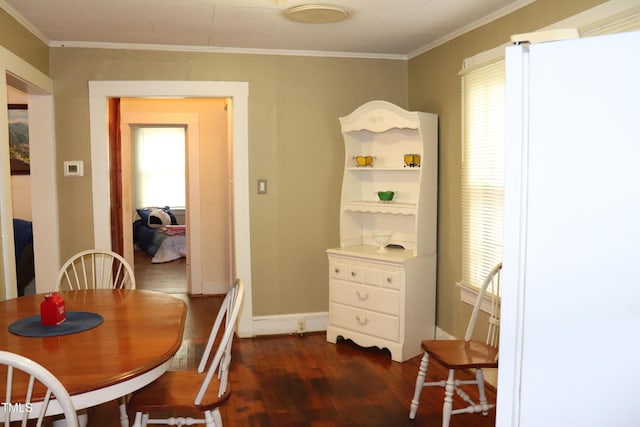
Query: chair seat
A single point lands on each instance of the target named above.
(175, 390)
(460, 354)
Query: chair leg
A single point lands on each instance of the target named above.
(422, 372)
(217, 418)
(209, 419)
(124, 417)
(481, 392)
(137, 422)
(447, 407)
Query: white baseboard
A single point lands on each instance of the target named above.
(215, 288)
(289, 323)
(313, 322)
(443, 335)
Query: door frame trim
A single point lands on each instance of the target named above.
(191, 124)
(18, 73)
(100, 91)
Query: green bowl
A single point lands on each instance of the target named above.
(386, 196)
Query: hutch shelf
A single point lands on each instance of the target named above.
(383, 293)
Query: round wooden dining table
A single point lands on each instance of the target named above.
(132, 347)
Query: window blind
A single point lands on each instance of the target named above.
(483, 98)
(483, 141)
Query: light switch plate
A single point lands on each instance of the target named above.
(262, 186)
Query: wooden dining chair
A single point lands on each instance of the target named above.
(96, 269)
(20, 402)
(466, 354)
(193, 396)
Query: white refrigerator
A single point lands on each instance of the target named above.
(570, 328)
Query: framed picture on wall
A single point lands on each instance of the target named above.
(19, 139)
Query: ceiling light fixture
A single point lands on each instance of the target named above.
(316, 14)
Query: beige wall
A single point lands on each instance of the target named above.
(294, 142)
(23, 43)
(434, 86)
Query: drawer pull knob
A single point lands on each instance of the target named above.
(336, 270)
(353, 274)
(362, 322)
(362, 297)
(389, 280)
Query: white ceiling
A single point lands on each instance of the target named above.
(400, 28)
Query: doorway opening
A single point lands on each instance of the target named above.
(237, 93)
(158, 169)
(205, 180)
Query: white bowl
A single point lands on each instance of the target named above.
(382, 238)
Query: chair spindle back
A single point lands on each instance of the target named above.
(488, 300)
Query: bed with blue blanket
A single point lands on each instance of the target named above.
(158, 234)
(23, 241)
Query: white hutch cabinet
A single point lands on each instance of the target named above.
(386, 297)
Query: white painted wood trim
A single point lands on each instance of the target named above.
(226, 50)
(99, 91)
(469, 295)
(314, 322)
(39, 87)
(6, 204)
(194, 241)
(288, 323)
(441, 334)
(44, 191)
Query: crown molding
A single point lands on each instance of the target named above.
(472, 26)
(221, 49)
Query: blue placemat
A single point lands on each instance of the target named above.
(76, 321)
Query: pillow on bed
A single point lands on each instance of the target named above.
(145, 212)
(158, 218)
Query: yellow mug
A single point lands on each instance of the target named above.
(364, 160)
(412, 160)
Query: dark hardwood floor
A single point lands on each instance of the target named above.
(170, 277)
(302, 380)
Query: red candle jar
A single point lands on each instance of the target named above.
(52, 310)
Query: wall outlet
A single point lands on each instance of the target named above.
(302, 326)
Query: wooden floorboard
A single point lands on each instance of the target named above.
(170, 277)
(306, 381)
(303, 380)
